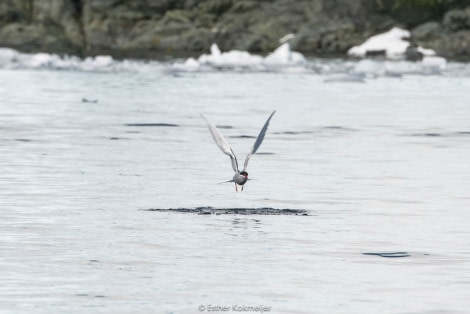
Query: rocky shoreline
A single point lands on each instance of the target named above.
(153, 29)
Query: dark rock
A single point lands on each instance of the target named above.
(448, 44)
(426, 31)
(13, 11)
(412, 13)
(139, 27)
(412, 54)
(451, 38)
(376, 53)
(457, 19)
(41, 25)
(244, 5)
(217, 7)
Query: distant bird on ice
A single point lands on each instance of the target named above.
(240, 177)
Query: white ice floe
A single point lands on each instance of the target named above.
(282, 60)
(233, 58)
(391, 42)
(99, 63)
(434, 64)
(372, 68)
(7, 56)
(283, 57)
(426, 52)
(369, 67)
(43, 60)
(13, 59)
(394, 46)
(190, 65)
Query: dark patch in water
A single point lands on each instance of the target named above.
(233, 211)
(393, 74)
(152, 124)
(265, 153)
(338, 128)
(224, 126)
(94, 261)
(118, 138)
(388, 254)
(242, 136)
(22, 140)
(93, 101)
(447, 134)
(348, 78)
(87, 295)
(427, 134)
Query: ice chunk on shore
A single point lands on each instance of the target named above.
(13, 59)
(392, 43)
(42, 59)
(369, 67)
(7, 56)
(98, 63)
(426, 52)
(434, 64)
(189, 65)
(283, 55)
(231, 58)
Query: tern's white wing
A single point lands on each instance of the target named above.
(259, 140)
(222, 143)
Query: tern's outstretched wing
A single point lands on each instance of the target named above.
(259, 140)
(222, 143)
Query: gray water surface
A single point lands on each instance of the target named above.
(380, 167)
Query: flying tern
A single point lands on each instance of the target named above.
(240, 177)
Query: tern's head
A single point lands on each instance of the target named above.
(244, 173)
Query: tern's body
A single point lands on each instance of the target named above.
(240, 177)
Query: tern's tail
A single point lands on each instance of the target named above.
(226, 181)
